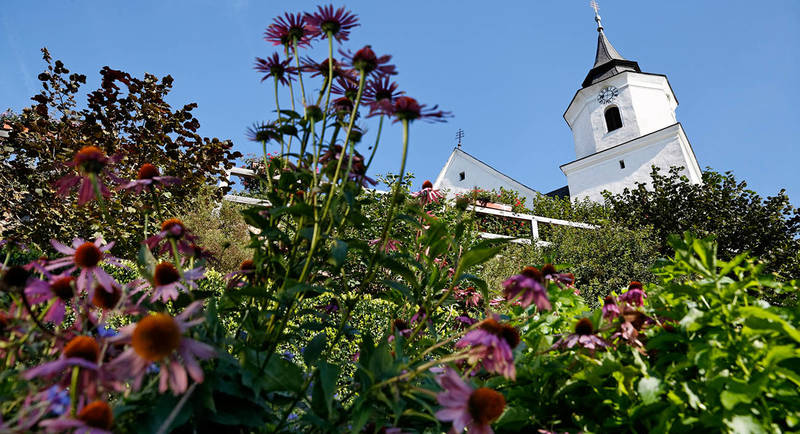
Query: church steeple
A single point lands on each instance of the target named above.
(607, 62)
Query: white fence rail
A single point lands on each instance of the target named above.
(533, 219)
(534, 224)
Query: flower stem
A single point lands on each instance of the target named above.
(398, 185)
(174, 245)
(99, 195)
(278, 109)
(299, 73)
(73, 391)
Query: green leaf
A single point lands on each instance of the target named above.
(314, 348)
(146, 261)
(338, 253)
(773, 321)
(476, 256)
(328, 374)
(649, 389)
(744, 425)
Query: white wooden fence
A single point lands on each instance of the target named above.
(533, 219)
(534, 224)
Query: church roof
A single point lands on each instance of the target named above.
(607, 61)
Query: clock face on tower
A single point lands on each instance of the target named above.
(607, 94)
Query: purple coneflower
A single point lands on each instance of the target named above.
(273, 66)
(382, 92)
(391, 245)
(172, 230)
(321, 69)
(159, 338)
(561, 279)
(167, 280)
(60, 289)
(245, 274)
(366, 61)
(287, 30)
(530, 283)
(470, 296)
(610, 308)
(465, 321)
(408, 109)
(634, 295)
(427, 194)
(94, 418)
(149, 177)
(349, 89)
(465, 407)
(90, 162)
(87, 257)
(327, 22)
(400, 327)
(82, 352)
(492, 344)
(584, 336)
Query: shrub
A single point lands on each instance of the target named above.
(740, 219)
(127, 117)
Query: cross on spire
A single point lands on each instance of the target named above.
(459, 136)
(596, 8)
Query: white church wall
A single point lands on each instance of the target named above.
(589, 177)
(476, 174)
(653, 102)
(645, 102)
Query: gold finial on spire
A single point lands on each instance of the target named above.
(596, 8)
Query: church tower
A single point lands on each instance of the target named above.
(623, 123)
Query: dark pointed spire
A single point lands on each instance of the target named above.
(607, 62)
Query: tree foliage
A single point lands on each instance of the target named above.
(127, 116)
(739, 218)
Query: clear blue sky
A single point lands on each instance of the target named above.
(507, 70)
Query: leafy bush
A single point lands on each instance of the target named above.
(601, 259)
(740, 219)
(127, 117)
(704, 353)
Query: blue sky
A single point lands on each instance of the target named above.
(507, 72)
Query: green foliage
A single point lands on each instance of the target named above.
(740, 219)
(127, 116)
(716, 358)
(219, 227)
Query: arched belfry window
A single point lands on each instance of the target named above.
(613, 119)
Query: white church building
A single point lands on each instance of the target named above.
(623, 123)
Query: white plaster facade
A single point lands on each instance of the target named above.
(476, 173)
(589, 176)
(650, 136)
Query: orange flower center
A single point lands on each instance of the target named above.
(97, 415)
(90, 159)
(170, 226)
(584, 327)
(427, 184)
(87, 255)
(504, 331)
(247, 265)
(82, 347)
(147, 171)
(635, 284)
(548, 269)
(62, 288)
(104, 299)
(156, 336)
(165, 274)
(485, 405)
(533, 273)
